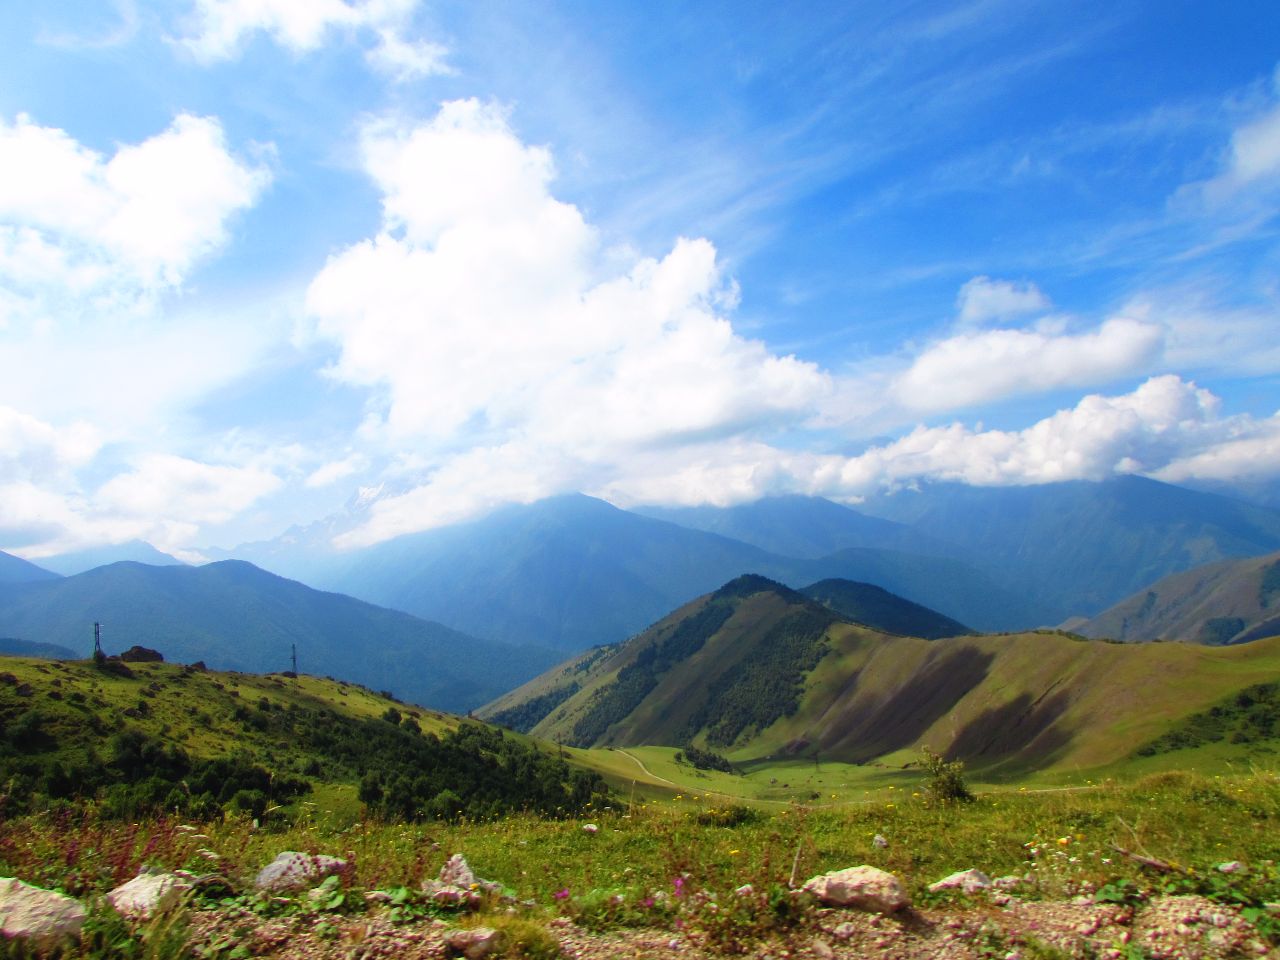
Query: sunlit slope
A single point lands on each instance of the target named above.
(758, 671)
(1234, 601)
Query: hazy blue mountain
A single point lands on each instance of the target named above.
(13, 647)
(798, 526)
(69, 564)
(234, 616)
(574, 572)
(16, 570)
(1078, 548)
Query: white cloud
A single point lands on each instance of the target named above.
(978, 367)
(496, 325)
(1167, 427)
(220, 28)
(31, 449)
(187, 491)
(120, 227)
(982, 300)
(335, 470)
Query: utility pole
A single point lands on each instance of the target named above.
(294, 657)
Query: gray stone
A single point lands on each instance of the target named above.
(863, 888)
(476, 943)
(1231, 866)
(147, 895)
(41, 917)
(966, 881)
(291, 870)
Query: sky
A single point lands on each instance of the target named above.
(267, 261)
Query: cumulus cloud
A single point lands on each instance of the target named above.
(121, 226)
(983, 299)
(31, 449)
(494, 323)
(187, 490)
(1167, 427)
(220, 28)
(980, 366)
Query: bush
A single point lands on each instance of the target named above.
(946, 778)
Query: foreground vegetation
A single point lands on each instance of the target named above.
(682, 864)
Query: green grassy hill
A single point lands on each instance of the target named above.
(762, 674)
(233, 616)
(1230, 602)
(151, 737)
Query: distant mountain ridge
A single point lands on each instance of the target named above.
(757, 671)
(78, 561)
(575, 572)
(1077, 548)
(1234, 601)
(16, 570)
(235, 616)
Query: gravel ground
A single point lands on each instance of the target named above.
(1166, 928)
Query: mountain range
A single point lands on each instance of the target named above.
(233, 616)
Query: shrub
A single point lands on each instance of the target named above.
(946, 778)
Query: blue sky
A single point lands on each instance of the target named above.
(261, 257)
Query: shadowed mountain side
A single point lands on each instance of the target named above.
(859, 729)
(16, 570)
(872, 606)
(1079, 547)
(234, 616)
(795, 680)
(1234, 601)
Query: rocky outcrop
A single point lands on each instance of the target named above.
(291, 870)
(861, 888)
(41, 917)
(147, 895)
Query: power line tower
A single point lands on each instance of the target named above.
(294, 657)
(97, 640)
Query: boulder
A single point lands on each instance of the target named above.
(862, 888)
(42, 917)
(291, 870)
(147, 895)
(137, 654)
(458, 886)
(966, 881)
(476, 943)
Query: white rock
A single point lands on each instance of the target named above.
(590, 828)
(1231, 866)
(880, 841)
(967, 881)
(863, 888)
(1008, 882)
(476, 943)
(291, 870)
(147, 895)
(745, 890)
(43, 917)
(844, 931)
(457, 872)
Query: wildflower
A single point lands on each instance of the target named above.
(734, 853)
(562, 894)
(1063, 841)
(678, 883)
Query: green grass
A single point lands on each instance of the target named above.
(656, 852)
